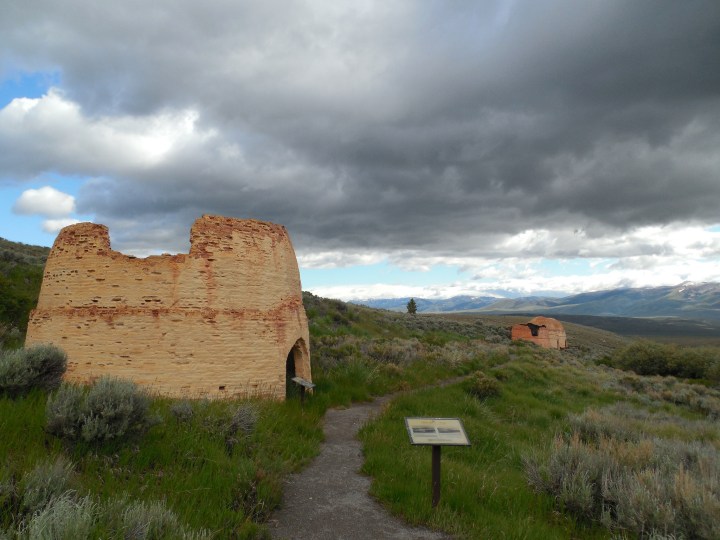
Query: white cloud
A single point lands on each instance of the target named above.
(45, 201)
(54, 225)
(643, 257)
(338, 259)
(532, 281)
(53, 133)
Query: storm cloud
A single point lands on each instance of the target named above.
(433, 129)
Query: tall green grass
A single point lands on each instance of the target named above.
(214, 466)
(485, 492)
(545, 464)
(186, 464)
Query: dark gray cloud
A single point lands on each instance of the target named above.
(386, 126)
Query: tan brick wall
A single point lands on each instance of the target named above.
(219, 321)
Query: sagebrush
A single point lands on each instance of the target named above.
(110, 409)
(23, 370)
(623, 475)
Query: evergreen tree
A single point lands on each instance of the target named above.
(412, 307)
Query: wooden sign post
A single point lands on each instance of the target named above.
(303, 384)
(436, 432)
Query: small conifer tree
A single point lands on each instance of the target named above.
(412, 307)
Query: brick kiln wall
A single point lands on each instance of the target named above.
(219, 321)
(550, 334)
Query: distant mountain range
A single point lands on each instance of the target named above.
(687, 300)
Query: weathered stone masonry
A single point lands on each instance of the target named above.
(222, 320)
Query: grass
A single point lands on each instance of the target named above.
(636, 472)
(485, 493)
(195, 464)
(196, 471)
(486, 490)
(184, 463)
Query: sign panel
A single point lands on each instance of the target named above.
(302, 382)
(436, 431)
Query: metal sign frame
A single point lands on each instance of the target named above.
(427, 431)
(302, 382)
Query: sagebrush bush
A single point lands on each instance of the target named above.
(110, 409)
(21, 370)
(47, 481)
(244, 419)
(658, 389)
(151, 520)
(481, 386)
(65, 410)
(9, 496)
(329, 352)
(69, 517)
(182, 411)
(241, 425)
(65, 518)
(608, 470)
(113, 409)
(394, 351)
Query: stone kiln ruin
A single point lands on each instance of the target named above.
(544, 331)
(226, 319)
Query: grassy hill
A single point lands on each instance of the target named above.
(19, 253)
(21, 269)
(195, 474)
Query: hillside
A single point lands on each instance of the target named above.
(21, 269)
(195, 470)
(19, 253)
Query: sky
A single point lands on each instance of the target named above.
(425, 149)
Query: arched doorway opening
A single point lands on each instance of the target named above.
(297, 364)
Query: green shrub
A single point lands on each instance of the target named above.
(9, 496)
(241, 425)
(182, 411)
(616, 473)
(481, 386)
(140, 520)
(65, 518)
(44, 483)
(64, 412)
(650, 358)
(48, 364)
(21, 370)
(111, 409)
(244, 419)
(647, 358)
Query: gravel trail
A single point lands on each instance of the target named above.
(329, 499)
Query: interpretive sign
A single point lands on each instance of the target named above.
(304, 385)
(436, 431)
(302, 382)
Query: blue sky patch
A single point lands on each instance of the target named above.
(20, 84)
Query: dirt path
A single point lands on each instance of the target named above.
(329, 499)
